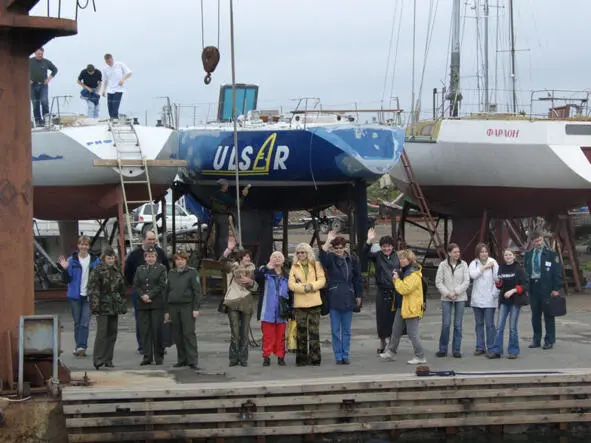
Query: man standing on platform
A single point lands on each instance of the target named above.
(116, 73)
(133, 261)
(91, 79)
(38, 67)
(545, 272)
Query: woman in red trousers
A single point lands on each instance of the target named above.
(273, 281)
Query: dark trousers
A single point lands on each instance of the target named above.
(183, 331)
(538, 300)
(113, 102)
(138, 336)
(308, 321)
(151, 322)
(239, 329)
(40, 101)
(106, 336)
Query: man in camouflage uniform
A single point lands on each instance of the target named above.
(106, 294)
(149, 284)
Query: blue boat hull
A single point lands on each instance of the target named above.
(326, 160)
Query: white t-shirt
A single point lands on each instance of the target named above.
(85, 263)
(113, 75)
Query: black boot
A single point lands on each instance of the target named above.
(281, 361)
(266, 361)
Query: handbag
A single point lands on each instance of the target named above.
(555, 306)
(325, 307)
(522, 299)
(285, 308)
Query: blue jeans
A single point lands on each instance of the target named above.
(81, 316)
(484, 316)
(511, 311)
(113, 102)
(40, 100)
(446, 307)
(134, 298)
(93, 110)
(340, 327)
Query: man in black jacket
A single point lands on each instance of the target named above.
(133, 261)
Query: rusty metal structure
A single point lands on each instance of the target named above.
(20, 35)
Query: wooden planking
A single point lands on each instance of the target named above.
(90, 407)
(140, 163)
(340, 427)
(219, 418)
(333, 384)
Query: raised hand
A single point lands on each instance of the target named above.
(331, 236)
(231, 243)
(62, 262)
(371, 235)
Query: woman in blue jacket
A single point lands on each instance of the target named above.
(273, 281)
(345, 289)
(76, 270)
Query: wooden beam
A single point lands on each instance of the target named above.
(140, 163)
(362, 426)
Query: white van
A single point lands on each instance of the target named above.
(142, 218)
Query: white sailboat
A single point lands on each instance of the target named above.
(509, 165)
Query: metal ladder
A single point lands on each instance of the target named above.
(127, 147)
(423, 205)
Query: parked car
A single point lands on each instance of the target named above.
(142, 218)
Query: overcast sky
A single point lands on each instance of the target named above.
(333, 49)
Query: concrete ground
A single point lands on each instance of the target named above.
(571, 351)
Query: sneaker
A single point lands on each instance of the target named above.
(388, 355)
(80, 352)
(441, 354)
(457, 355)
(533, 345)
(492, 355)
(417, 361)
(512, 356)
(345, 362)
(479, 352)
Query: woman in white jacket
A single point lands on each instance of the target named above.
(485, 299)
(452, 281)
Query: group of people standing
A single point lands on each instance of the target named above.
(331, 285)
(111, 81)
(97, 286)
(508, 287)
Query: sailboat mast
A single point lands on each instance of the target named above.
(454, 95)
(513, 76)
(486, 89)
(414, 39)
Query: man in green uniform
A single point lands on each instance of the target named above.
(545, 273)
(149, 284)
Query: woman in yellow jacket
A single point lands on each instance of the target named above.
(306, 278)
(408, 283)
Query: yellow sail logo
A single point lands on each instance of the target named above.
(267, 158)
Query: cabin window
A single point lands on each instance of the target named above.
(578, 129)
